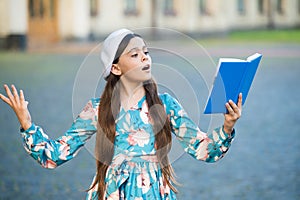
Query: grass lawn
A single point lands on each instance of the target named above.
(258, 36)
(292, 35)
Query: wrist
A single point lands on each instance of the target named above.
(227, 129)
(26, 125)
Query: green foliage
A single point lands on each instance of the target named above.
(277, 36)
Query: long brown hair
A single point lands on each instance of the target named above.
(108, 109)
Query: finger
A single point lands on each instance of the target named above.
(16, 95)
(230, 110)
(240, 101)
(22, 98)
(9, 94)
(234, 107)
(5, 99)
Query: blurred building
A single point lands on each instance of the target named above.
(24, 22)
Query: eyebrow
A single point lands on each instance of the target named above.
(136, 49)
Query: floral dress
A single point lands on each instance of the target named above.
(134, 172)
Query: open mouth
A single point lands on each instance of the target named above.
(147, 67)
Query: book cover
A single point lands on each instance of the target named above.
(233, 76)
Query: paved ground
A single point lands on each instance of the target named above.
(263, 162)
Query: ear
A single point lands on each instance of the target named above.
(116, 70)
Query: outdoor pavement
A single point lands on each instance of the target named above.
(263, 162)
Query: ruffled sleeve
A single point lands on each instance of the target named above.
(52, 153)
(206, 147)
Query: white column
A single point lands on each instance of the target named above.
(81, 17)
(4, 26)
(17, 17)
(74, 18)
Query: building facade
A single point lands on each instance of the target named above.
(25, 22)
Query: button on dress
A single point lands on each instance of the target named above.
(134, 172)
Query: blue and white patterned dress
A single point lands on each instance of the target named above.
(134, 172)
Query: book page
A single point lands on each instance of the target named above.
(231, 60)
(253, 57)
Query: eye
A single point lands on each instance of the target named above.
(146, 52)
(134, 55)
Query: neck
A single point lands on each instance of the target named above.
(130, 93)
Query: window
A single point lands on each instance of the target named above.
(31, 8)
(36, 8)
(241, 7)
(52, 9)
(279, 7)
(203, 9)
(169, 7)
(131, 7)
(93, 8)
(41, 9)
(261, 7)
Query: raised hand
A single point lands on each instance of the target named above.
(18, 104)
(234, 113)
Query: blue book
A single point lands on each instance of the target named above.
(233, 76)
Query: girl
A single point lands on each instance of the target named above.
(133, 125)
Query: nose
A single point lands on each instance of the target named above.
(145, 57)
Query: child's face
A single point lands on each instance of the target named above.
(135, 61)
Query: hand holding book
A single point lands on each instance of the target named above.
(234, 113)
(230, 89)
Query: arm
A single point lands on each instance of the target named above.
(202, 146)
(52, 153)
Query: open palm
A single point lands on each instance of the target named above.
(17, 102)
